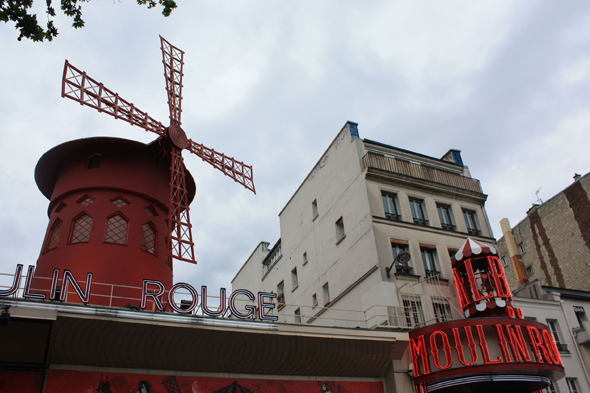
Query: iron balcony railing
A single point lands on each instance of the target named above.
(421, 221)
(393, 216)
(377, 161)
(448, 227)
(474, 232)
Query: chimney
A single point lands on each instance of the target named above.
(577, 176)
(513, 252)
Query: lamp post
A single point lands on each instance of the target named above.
(402, 258)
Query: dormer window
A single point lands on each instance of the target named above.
(85, 200)
(94, 161)
(120, 201)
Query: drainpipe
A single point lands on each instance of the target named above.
(513, 252)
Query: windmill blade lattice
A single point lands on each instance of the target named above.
(79, 87)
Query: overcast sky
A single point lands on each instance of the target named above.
(271, 83)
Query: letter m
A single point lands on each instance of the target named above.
(418, 349)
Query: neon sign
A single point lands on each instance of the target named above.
(154, 291)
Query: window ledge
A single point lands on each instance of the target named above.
(340, 240)
(314, 217)
(292, 290)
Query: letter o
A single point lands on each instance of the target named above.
(194, 296)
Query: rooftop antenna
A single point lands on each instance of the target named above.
(539, 200)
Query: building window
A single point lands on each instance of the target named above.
(418, 211)
(116, 229)
(550, 388)
(60, 207)
(120, 201)
(272, 258)
(446, 217)
(151, 211)
(429, 259)
(54, 233)
(452, 252)
(94, 161)
(340, 234)
(281, 294)
(471, 222)
(304, 258)
(390, 206)
(580, 315)
(148, 238)
(529, 270)
(298, 315)
(554, 329)
(81, 229)
(85, 200)
(521, 248)
(413, 310)
(314, 300)
(442, 309)
(294, 281)
(398, 248)
(326, 292)
(504, 261)
(572, 385)
(314, 209)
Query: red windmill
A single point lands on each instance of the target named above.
(79, 87)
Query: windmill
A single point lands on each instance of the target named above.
(79, 87)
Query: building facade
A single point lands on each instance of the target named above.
(364, 204)
(553, 241)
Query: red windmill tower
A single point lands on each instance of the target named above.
(135, 191)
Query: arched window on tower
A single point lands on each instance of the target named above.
(53, 236)
(148, 238)
(116, 229)
(81, 229)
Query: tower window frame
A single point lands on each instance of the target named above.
(81, 228)
(145, 241)
(53, 236)
(117, 229)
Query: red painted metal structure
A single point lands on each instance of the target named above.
(494, 349)
(79, 87)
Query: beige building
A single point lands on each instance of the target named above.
(361, 205)
(553, 241)
(563, 311)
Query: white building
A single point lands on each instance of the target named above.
(362, 204)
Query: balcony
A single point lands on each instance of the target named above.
(474, 232)
(431, 273)
(389, 164)
(421, 221)
(393, 216)
(448, 227)
(562, 348)
(403, 269)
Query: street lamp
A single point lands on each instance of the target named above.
(402, 258)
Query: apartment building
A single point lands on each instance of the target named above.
(366, 239)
